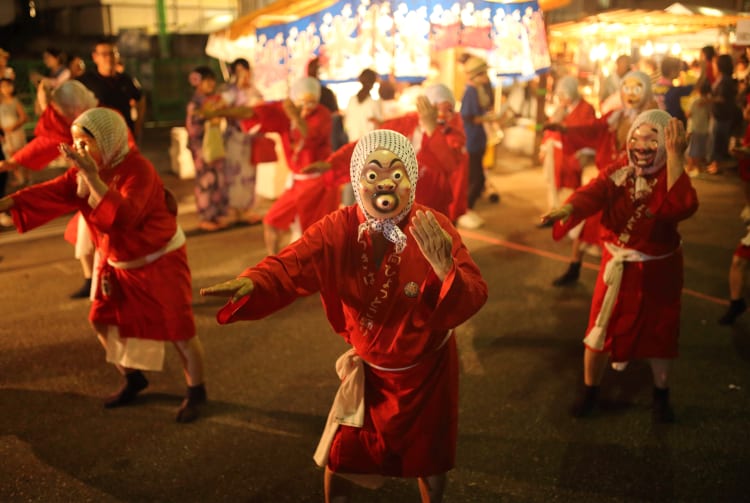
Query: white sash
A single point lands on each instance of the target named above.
(349, 405)
(613, 278)
(177, 240)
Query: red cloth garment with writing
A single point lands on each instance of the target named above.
(395, 316)
(645, 321)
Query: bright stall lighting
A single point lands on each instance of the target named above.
(647, 50)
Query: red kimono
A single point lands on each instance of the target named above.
(645, 320)
(149, 301)
(609, 142)
(396, 316)
(313, 195)
(442, 160)
(50, 131)
(568, 168)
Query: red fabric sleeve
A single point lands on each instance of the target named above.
(126, 206)
(442, 151)
(463, 286)
(680, 202)
(279, 279)
(51, 130)
(38, 204)
(316, 144)
(405, 124)
(271, 117)
(339, 161)
(38, 153)
(586, 136)
(586, 201)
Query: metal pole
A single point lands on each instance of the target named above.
(161, 14)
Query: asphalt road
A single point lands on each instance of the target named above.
(271, 382)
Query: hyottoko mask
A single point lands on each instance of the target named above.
(635, 90)
(645, 145)
(383, 173)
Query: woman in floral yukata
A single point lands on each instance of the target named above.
(395, 280)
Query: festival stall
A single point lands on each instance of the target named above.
(595, 41)
(408, 39)
(404, 40)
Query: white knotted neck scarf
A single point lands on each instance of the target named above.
(109, 130)
(402, 148)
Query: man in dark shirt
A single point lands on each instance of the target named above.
(115, 89)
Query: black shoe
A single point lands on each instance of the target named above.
(586, 403)
(570, 277)
(736, 308)
(84, 292)
(661, 411)
(135, 382)
(188, 411)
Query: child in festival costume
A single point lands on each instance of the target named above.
(395, 281)
(635, 311)
(12, 118)
(211, 193)
(143, 293)
(699, 130)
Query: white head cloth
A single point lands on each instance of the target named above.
(73, 98)
(401, 146)
(659, 120)
(646, 98)
(109, 130)
(645, 81)
(568, 86)
(303, 86)
(438, 93)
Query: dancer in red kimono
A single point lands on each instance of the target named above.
(143, 294)
(563, 168)
(607, 136)
(305, 128)
(66, 103)
(635, 311)
(741, 256)
(395, 280)
(436, 134)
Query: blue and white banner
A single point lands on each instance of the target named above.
(397, 37)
